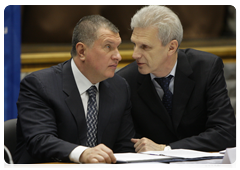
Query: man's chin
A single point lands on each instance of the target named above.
(143, 71)
(110, 75)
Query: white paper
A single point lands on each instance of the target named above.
(184, 153)
(137, 157)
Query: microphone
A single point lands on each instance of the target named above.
(9, 157)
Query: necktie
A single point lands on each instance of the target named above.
(167, 97)
(92, 117)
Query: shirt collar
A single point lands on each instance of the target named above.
(82, 82)
(173, 72)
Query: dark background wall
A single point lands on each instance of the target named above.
(55, 23)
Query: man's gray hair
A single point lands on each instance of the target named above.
(86, 30)
(167, 22)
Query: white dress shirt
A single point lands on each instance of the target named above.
(83, 84)
(160, 90)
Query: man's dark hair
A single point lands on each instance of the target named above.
(87, 28)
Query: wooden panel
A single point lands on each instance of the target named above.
(36, 57)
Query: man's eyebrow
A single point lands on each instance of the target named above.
(109, 41)
(112, 42)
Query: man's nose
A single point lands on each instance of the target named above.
(117, 56)
(136, 54)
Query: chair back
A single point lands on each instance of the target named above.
(10, 139)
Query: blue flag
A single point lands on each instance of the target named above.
(12, 61)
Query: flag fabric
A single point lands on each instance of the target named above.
(12, 59)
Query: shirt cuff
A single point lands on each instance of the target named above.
(167, 148)
(76, 153)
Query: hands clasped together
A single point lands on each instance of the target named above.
(103, 154)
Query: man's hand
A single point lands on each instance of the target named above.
(145, 144)
(98, 154)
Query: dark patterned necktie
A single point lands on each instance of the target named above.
(92, 117)
(167, 97)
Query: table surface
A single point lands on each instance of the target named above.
(48, 165)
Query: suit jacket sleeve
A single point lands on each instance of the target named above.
(38, 123)
(220, 126)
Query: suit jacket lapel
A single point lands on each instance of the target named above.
(183, 87)
(74, 101)
(151, 98)
(106, 104)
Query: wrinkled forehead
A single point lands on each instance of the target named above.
(107, 35)
(144, 34)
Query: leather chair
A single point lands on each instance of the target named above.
(9, 139)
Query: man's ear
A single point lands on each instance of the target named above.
(173, 46)
(81, 50)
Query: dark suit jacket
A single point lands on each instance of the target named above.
(51, 119)
(203, 118)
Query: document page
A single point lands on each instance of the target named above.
(186, 153)
(138, 157)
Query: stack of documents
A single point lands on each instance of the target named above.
(186, 154)
(138, 157)
(177, 158)
(175, 155)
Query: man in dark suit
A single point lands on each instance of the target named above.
(179, 97)
(60, 119)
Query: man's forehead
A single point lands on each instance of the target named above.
(144, 33)
(104, 33)
(109, 37)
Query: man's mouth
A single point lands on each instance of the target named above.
(113, 65)
(140, 64)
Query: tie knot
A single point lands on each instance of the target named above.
(164, 82)
(92, 91)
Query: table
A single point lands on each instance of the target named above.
(48, 165)
(54, 165)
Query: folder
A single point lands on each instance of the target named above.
(187, 154)
(138, 157)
